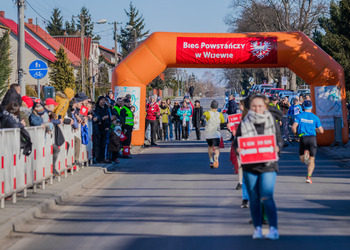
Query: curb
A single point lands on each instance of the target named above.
(10, 226)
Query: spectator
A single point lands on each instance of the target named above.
(128, 126)
(190, 106)
(12, 95)
(152, 114)
(232, 106)
(169, 134)
(26, 109)
(164, 112)
(103, 120)
(49, 107)
(110, 97)
(284, 104)
(176, 120)
(10, 116)
(114, 140)
(191, 91)
(38, 115)
(184, 112)
(197, 118)
(63, 99)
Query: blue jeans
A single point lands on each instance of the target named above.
(245, 195)
(260, 189)
(170, 131)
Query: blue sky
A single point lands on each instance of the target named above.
(204, 16)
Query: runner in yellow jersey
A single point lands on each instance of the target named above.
(214, 121)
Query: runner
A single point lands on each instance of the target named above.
(214, 120)
(306, 125)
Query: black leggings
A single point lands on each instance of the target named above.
(177, 125)
(164, 130)
(184, 130)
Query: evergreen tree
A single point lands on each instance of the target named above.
(5, 63)
(336, 39)
(62, 76)
(71, 28)
(55, 26)
(88, 25)
(130, 37)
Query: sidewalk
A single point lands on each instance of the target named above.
(14, 215)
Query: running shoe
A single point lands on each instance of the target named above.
(273, 234)
(308, 179)
(211, 164)
(216, 161)
(244, 204)
(239, 186)
(257, 233)
(307, 157)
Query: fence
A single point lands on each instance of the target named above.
(19, 172)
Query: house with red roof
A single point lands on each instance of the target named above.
(34, 50)
(109, 55)
(91, 51)
(49, 42)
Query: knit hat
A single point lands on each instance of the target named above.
(39, 108)
(80, 97)
(27, 101)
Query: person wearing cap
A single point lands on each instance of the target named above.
(26, 109)
(152, 114)
(305, 126)
(38, 114)
(128, 126)
(214, 121)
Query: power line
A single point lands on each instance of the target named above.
(36, 11)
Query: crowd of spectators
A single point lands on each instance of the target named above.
(172, 121)
(112, 121)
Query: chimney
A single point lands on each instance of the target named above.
(30, 20)
(2, 14)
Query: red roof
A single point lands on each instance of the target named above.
(36, 29)
(73, 43)
(31, 41)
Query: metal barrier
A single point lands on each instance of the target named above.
(18, 172)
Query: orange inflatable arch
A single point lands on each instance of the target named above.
(293, 50)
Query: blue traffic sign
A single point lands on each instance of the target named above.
(38, 69)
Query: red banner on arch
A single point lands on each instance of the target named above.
(247, 50)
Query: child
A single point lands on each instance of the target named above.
(114, 141)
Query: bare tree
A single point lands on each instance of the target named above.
(276, 15)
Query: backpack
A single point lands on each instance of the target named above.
(25, 142)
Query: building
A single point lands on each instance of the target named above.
(34, 50)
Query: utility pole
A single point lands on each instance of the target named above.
(115, 44)
(21, 46)
(82, 33)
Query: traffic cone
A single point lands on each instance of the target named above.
(222, 145)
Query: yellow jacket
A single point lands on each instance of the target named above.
(165, 114)
(63, 99)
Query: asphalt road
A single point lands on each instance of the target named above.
(169, 198)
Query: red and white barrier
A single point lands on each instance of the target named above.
(18, 172)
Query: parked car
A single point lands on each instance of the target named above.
(273, 91)
(261, 86)
(303, 92)
(285, 93)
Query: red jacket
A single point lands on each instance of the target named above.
(152, 110)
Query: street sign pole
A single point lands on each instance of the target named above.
(38, 69)
(38, 88)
